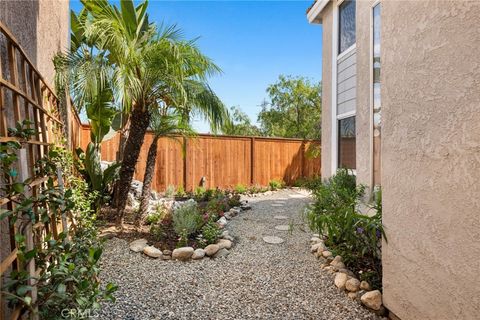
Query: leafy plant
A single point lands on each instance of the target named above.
(210, 233)
(170, 191)
(276, 184)
(240, 188)
(354, 236)
(187, 220)
(180, 193)
(68, 266)
(99, 180)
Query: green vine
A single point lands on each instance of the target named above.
(68, 277)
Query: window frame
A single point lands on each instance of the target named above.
(343, 117)
(350, 48)
(335, 58)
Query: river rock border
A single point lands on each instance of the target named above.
(218, 250)
(345, 279)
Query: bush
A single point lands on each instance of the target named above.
(354, 236)
(170, 191)
(209, 234)
(180, 193)
(186, 221)
(276, 184)
(240, 188)
(217, 205)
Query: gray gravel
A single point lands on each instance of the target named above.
(256, 281)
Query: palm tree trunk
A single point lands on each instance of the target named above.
(147, 183)
(139, 121)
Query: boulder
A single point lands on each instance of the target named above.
(224, 244)
(152, 252)
(372, 299)
(211, 249)
(198, 254)
(364, 285)
(314, 240)
(352, 295)
(326, 254)
(340, 280)
(221, 253)
(319, 246)
(222, 221)
(182, 254)
(138, 245)
(352, 285)
(167, 252)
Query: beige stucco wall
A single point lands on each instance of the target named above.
(431, 158)
(41, 27)
(327, 91)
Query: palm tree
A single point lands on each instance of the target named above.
(174, 121)
(148, 64)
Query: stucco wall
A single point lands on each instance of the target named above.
(327, 91)
(431, 158)
(41, 27)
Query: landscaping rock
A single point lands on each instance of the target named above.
(211, 249)
(222, 221)
(314, 240)
(221, 253)
(280, 217)
(152, 252)
(224, 244)
(167, 252)
(182, 254)
(164, 257)
(273, 240)
(318, 247)
(364, 285)
(246, 207)
(352, 285)
(138, 245)
(340, 280)
(326, 254)
(353, 295)
(282, 227)
(198, 254)
(372, 299)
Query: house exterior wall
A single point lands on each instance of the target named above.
(327, 91)
(41, 27)
(431, 158)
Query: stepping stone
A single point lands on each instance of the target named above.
(297, 196)
(281, 217)
(273, 240)
(277, 205)
(283, 227)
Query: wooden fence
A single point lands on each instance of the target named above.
(224, 161)
(24, 95)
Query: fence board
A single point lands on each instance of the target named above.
(224, 161)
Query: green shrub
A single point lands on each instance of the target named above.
(170, 191)
(354, 236)
(276, 184)
(187, 220)
(217, 205)
(240, 188)
(209, 234)
(199, 193)
(180, 193)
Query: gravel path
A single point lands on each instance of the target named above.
(256, 281)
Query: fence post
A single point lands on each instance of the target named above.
(252, 160)
(184, 163)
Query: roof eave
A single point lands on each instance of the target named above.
(314, 14)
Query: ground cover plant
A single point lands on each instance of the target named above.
(355, 236)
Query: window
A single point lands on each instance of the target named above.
(346, 25)
(377, 117)
(346, 143)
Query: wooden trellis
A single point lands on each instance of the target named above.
(25, 95)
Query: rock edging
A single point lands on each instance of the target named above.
(345, 279)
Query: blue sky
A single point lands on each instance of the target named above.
(252, 41)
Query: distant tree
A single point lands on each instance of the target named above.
(241, 124)
(294, 109)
